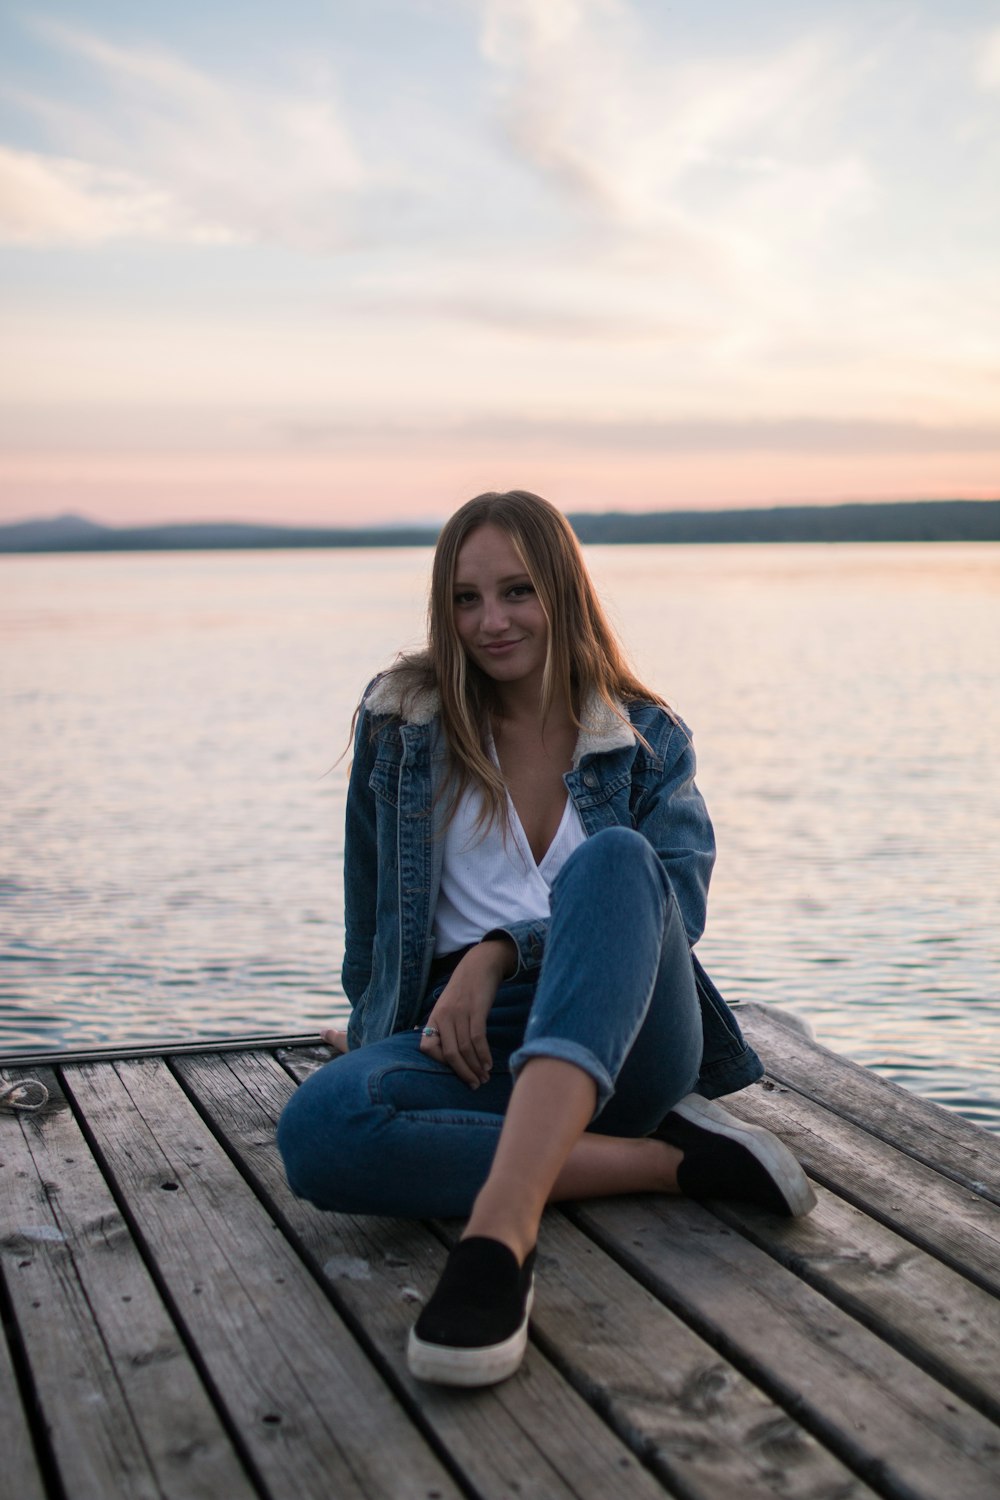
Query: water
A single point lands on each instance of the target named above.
(172, 800)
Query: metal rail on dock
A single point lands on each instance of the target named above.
(179, 1048)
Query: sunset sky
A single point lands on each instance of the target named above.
(342, 261)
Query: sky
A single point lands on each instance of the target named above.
(351, 261)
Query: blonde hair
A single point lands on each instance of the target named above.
(583, 656)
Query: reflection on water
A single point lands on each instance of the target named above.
(172, 800)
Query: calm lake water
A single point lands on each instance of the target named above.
(172, 798)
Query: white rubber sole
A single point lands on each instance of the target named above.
(773, 1155)
(444, 1364)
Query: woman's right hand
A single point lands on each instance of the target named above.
(458, 1017)
(334, 1038)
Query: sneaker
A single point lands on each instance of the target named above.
(725, 1158)
(474, 1329)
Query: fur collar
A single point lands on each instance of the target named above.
(391, 694)
(602, 730)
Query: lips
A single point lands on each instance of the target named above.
(500, 648)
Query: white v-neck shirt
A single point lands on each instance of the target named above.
(490, 879)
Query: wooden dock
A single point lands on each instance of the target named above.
(178, 1325)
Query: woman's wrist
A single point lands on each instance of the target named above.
(506, 957)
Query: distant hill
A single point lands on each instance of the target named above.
(60, 535)
(896, 521)
(49, 535)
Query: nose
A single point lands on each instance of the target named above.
(496, 616)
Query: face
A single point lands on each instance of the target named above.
(498, 615)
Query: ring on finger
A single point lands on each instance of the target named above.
(431, 1031)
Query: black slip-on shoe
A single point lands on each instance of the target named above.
(474, 1328)
(725, 1158)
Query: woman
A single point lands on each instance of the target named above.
(527, 859)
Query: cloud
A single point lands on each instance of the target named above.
(547, 59)
(54, 199)
(709, 148)
(987, 68)
(733, 161)
(566, 315)
(176, 154)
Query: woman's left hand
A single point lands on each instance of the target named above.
(457, 1022)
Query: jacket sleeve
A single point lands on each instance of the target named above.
(360, 866)
(670, 812)
(667, 809)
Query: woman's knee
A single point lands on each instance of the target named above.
(321, 1137)
(297, 1143)
(617, 838)
(614, 854)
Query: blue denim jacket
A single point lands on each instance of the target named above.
(392, 856)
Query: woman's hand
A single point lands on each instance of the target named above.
(460, 1011)
(334, 1038)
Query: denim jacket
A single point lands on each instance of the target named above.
(393, 854)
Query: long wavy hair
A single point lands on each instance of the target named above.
(584, 659)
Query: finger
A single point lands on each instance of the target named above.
(483, 1056)
(452, 1053)
(470, 1031)
(430, 1046)
(475, 1049)
(334, 1038)
(453, 1045)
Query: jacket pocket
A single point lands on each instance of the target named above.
(384, 779)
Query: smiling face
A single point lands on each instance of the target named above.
(498, 615)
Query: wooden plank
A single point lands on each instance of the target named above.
(699, 1424)
(22, 1475)
(313, 1414)
(301, 1061)
(936, 1136)
(124, 1409)
(895, 1426)
(532, 1436)
(959, 1227)
(934, 1316)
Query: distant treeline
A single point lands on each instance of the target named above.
(898, 521)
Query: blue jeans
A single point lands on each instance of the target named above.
(386, 1130)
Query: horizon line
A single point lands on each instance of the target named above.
(426, 524)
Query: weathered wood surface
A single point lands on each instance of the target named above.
(956, 1224)
(943, 1140)
(178, 1324)
(299, 1391)
(887, 1420)
(123, 1403)
(943, 1322)
(20, 1462)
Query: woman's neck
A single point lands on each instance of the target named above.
(521, 703)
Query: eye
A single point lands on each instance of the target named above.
(520, 590)
(465, 598)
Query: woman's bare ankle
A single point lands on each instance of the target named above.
(669, 1159)
(514, 1242)
(514, 1228)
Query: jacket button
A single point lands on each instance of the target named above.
(590, 778)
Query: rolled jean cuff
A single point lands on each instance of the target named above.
(571, 1052)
